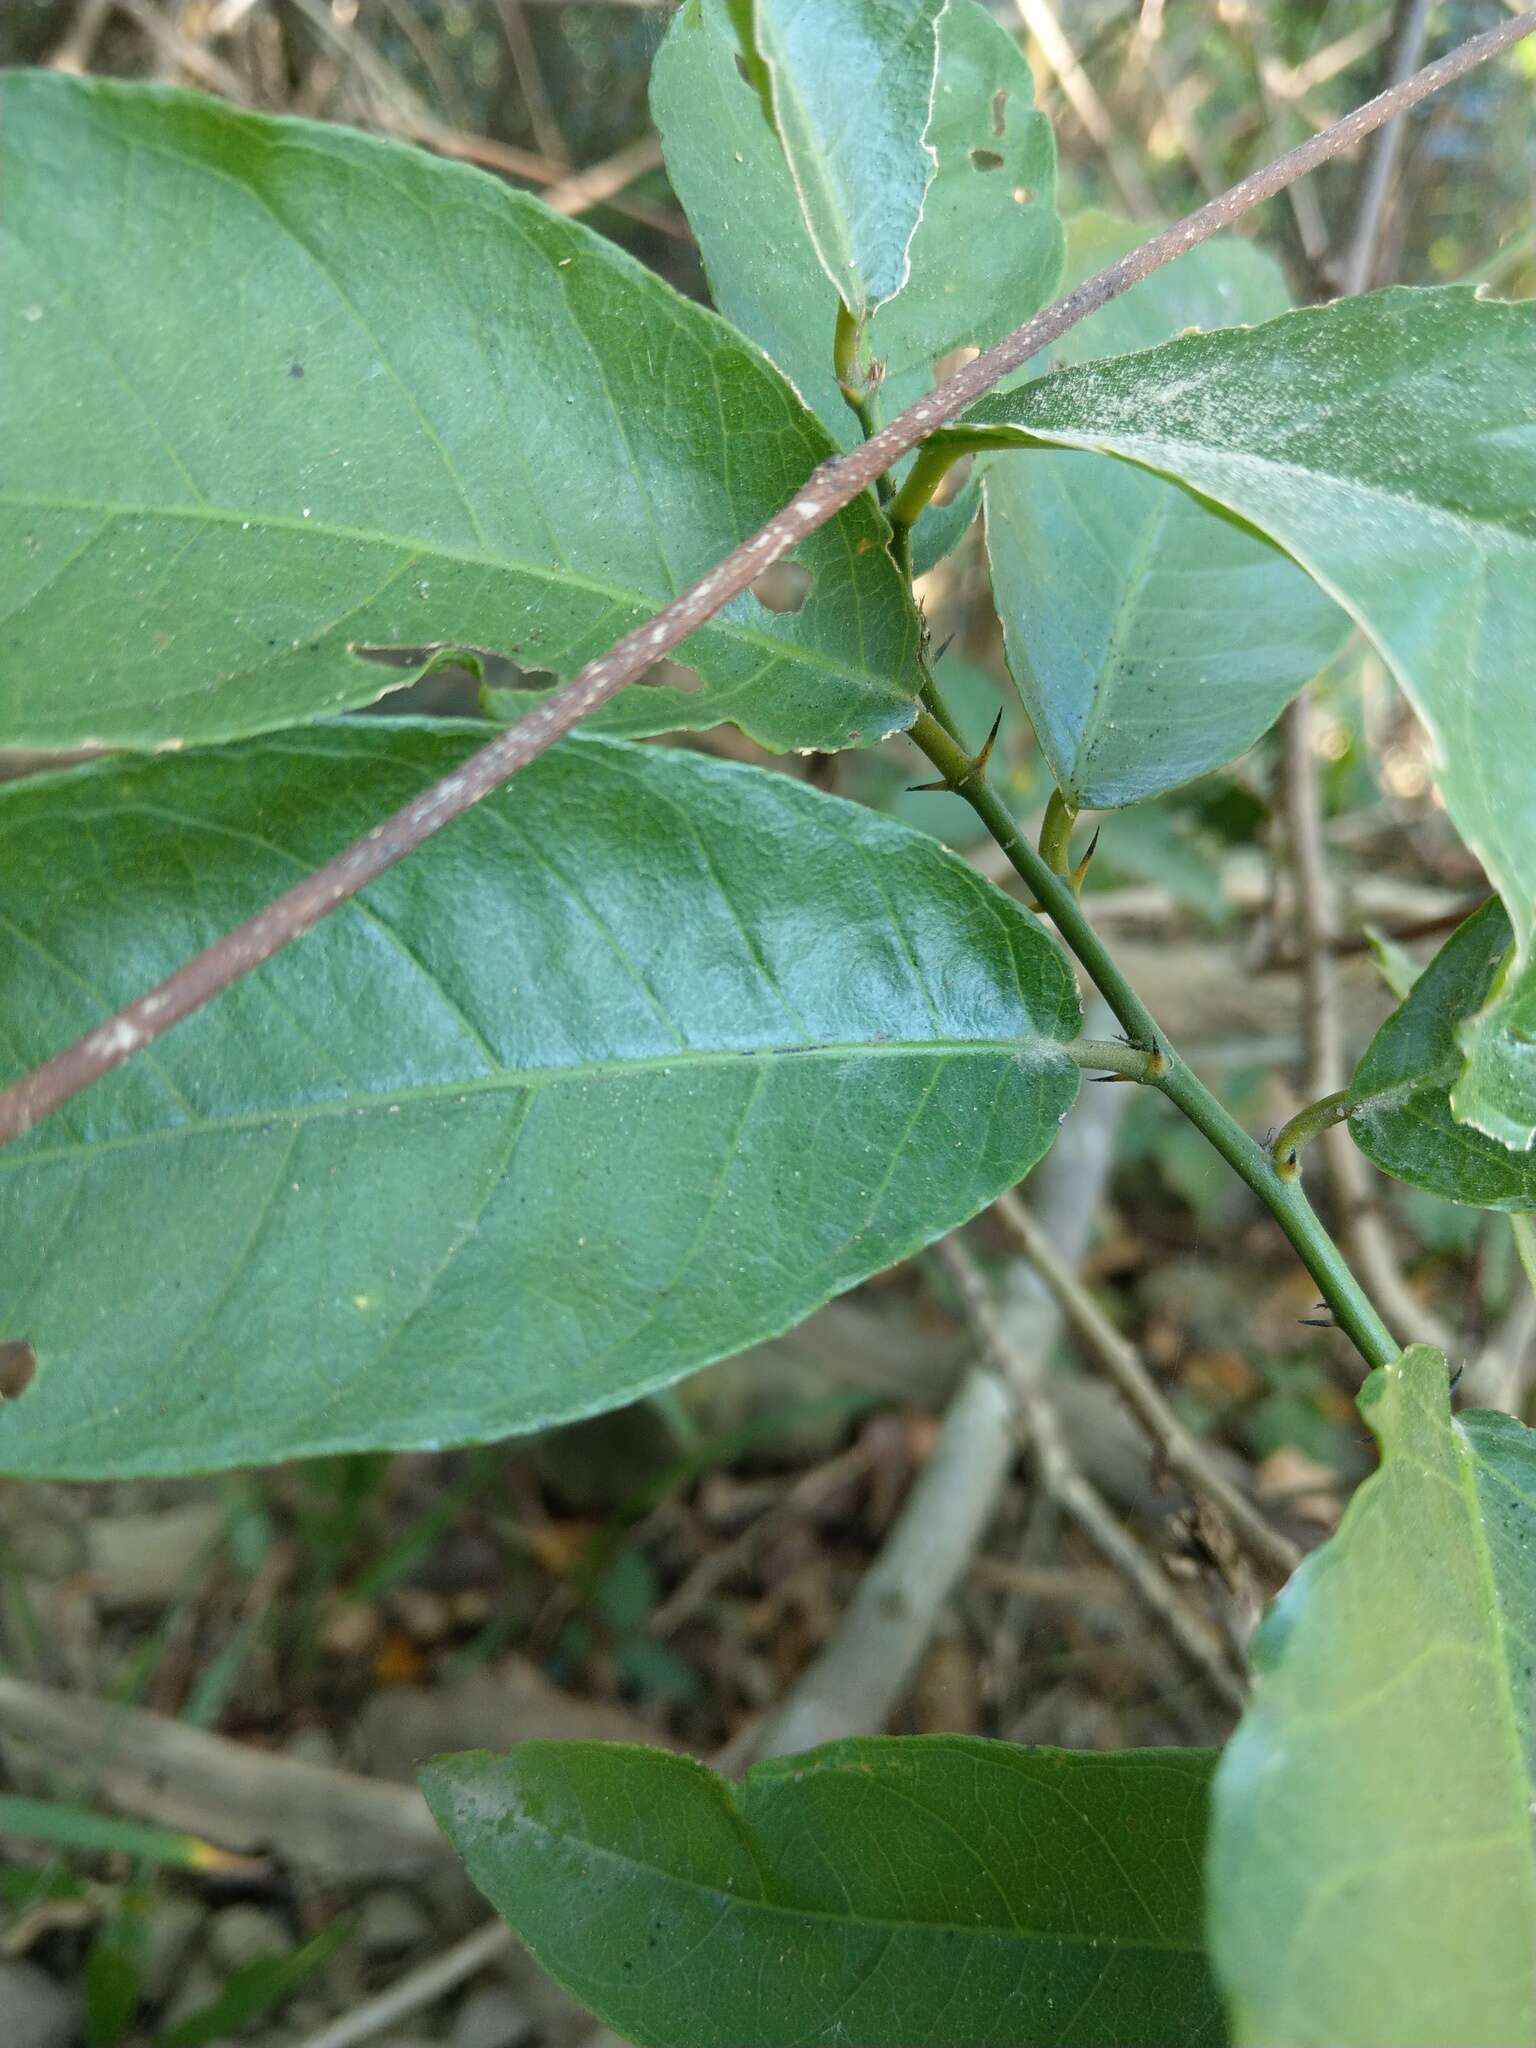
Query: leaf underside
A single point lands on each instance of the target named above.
(644, 1059)
(1372, 1877)
(934, 1889)
(273, 391)
(986, 253)
(1151, 638)
(1388, 444)
(1406, 1125)
(848, 88)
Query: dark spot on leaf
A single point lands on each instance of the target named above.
(987, 159)
(1000, 110)
(741, 66)
(295, 369)
(783, 586)
(18, 1368)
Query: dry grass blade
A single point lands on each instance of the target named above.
(328, 1820)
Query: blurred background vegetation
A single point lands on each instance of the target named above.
(668, 1572)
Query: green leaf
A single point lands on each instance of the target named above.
(1394, 963)
(848, 86)
(1405, 1124)
(114, 1971)
(1372, 1876)
(272, 391)
(261, 1986)
(983, 257)
(934, 1889)
(645, 1058)
(1150, 638)
(1388, 444)
(68, 1825)
(1496, 1090)
(1525, 1245)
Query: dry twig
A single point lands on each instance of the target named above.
(1360, 1220)
(1023, 1377)
(75, 49)
(1122, 1363)
(530, 81)
(583, 190)
(1358, 266)
(420, 1987)
(245, 1799)
(1039, 18)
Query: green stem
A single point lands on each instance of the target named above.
(934, 705)
(924, 477)
(1056, 835)
(1284, 1199)
(1113, 1056)
(858, 393)
(1307, 1124)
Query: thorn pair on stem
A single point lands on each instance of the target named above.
(1156, 1059)
(976, 765)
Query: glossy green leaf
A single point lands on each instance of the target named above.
(1372, 1875)
(272, 391)
(1496, 1090)
(1151, 639)
(639, 1062)
(936, 1889)
(986, 254)
(848, 86)
(1388, 444)
(1405, 1124)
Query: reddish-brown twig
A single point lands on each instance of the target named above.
(826, 491)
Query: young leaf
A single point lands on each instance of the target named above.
(645, 1059)
(848, 86)
(1405, 1124)
(272, 391)
(987, 251)
(1151, 639)
(1496, 1090)
(1394, 963)
(1525, 1245)
(933, 1889)
(1388, 444)
(1372, 1875)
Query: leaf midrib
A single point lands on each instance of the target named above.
(719, 1895)
(1138, 447)
(1467, 1467)
(803, 651)
(1027, 1050)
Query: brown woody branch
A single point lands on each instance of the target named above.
(826, 491)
